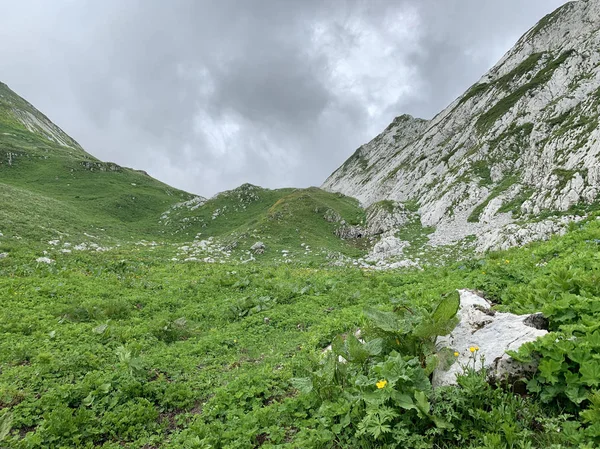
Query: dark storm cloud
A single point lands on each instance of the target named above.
(207, 95)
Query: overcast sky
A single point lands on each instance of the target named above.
(208, 94)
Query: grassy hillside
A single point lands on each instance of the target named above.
(47, 177)
(284, 219)
(128, 348)
(51, 188)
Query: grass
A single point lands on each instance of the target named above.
(515, 204)
(249, 214)
(488, 118)
(547, 20)
(564, 176)
(129, 349)
(481, 169)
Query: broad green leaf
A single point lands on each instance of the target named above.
(550, 368)
(441, 423)
(374, 347)
(338, 347)
(356, 351)
(425, 329)
(523, 355)
(303, 384)
(100, 329)
(386, 321)
(89, 400)
(422, 403)
(431, 363)
(549, 392)
(447, 308)
(533, 386)
(594, 339)
(403, 400)
(5, 425)
(576, 393)
(590, 373)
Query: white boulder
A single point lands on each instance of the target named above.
(493, 333)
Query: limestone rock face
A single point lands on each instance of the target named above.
(386, 215)
(387, 246)
(493, 333)
(524, 139)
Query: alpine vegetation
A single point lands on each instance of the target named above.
(441, 290)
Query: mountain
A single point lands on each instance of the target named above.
(50, 186)
(193, 340)
(53, 190)
(507, 160)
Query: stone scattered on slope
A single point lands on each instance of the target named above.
(349, 232)
(258, 248)
(332, 216)
(515, 235)
(44, 260)
(493, 333)
(3, 255)
(388, 246)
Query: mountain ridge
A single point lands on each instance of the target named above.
(521, 141)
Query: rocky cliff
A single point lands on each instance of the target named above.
(521, 142)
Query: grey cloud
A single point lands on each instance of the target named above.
(207, 95)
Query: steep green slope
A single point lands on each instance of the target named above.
(54, 186)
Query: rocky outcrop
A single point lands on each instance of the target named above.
(346, 231)
(386, 215)
(388, 246)
(482, 338)
(101, 166)
(522, 140)
(332, 216)
(518, 235)
(33, 121)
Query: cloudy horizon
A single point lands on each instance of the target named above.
(206, 96)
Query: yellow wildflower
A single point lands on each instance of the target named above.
(397, 341)
(456, 354)
(381, 384)
(507, 261)
(473, 349)
(483, 272)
